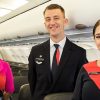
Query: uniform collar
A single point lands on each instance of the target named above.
(61, 43)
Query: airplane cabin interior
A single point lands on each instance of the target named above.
(18, 35)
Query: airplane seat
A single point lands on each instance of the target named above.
(24, 93)
(59, 96)
(19, 81)
(24, 72)
(14, 96)
(16, 71)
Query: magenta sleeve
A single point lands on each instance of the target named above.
(9, 87)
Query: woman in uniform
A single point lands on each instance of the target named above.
(88, 81)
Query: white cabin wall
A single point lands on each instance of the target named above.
(31, 22)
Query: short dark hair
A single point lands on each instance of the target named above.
(95, 26)
(54, 6)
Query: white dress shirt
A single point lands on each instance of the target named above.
(52, 48)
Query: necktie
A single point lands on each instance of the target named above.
(55, 61)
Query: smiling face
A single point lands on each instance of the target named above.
(97, 37)
(55, 22)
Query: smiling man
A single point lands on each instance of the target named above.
(55, 22)
(54, 64)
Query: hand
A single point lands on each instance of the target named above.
(6, 95)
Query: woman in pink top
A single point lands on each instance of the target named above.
(6, 80)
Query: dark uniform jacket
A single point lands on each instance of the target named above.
(88, 83)
(40, 77)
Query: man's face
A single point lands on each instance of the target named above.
(55, 22)
(97, 37)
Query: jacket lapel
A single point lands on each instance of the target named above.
(64, 58)
(46, 51)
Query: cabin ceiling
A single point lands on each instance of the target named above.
(12, 8)
(28, 20)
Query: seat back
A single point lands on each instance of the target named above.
(59, 96)
(19, 81)
(24, 93)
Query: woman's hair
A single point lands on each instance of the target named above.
(95, 26)
(54, 6)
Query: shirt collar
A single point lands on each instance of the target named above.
(61, 43)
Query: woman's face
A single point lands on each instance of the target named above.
(97, 37)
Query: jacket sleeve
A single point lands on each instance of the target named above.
(83, 59)
(32, 73)
(77, 95)
(9, 87)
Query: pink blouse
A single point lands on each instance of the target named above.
(6, 77)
